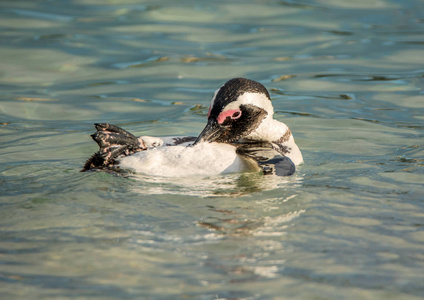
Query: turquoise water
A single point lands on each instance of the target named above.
(346, 76)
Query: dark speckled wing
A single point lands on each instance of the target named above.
(268, 159)
(113, 142)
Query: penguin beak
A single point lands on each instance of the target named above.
(211, 132)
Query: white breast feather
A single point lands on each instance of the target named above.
(204, 159)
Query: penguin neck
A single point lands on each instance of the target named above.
(269, 130)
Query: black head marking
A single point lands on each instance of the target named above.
(233, 89)
(231, 130)
(227, 127)
(250, 119)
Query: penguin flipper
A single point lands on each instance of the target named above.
(113, 142)
(267, 158)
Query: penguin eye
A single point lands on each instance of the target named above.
(236, 115)
(228, 115)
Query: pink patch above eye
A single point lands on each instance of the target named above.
(232, 113)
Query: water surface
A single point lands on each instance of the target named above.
(346, 76)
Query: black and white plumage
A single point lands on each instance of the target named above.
(241, 135)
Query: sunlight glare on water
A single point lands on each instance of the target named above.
(346, 76)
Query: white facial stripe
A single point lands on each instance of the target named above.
(257, 99)
(213, 100)
(214, 97)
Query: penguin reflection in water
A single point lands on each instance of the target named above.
(240, 135)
